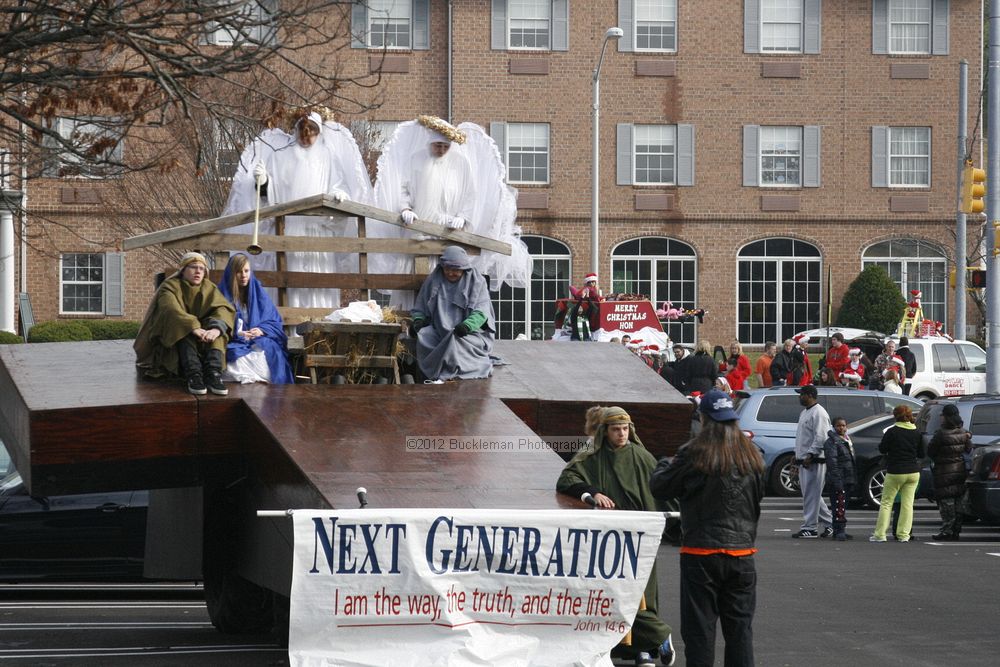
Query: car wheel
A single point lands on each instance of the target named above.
(785, 477)
(925, 396)
(871, 491)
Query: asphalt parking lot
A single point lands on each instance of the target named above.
(820, 603)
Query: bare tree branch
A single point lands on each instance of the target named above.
(78, 75)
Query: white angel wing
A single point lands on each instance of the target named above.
(345, 152)
(495, 212)
(393, 170)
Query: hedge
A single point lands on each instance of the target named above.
(8, 338)
(112, 329)
(59, 332)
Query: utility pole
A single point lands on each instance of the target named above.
(993, 203)
(961, 243)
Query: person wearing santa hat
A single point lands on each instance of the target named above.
(581, 313)
(854, 375)
(893, 375)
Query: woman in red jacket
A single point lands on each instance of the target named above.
(737, 366)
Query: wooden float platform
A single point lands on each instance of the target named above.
(76, 417)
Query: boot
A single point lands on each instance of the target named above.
(213, 373)
(190, 366)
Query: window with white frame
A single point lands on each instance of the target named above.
(389, 23)
(910, 157)
(528, 152)
(248, 24)
(910, 26)
(528, 23)
(780, 156)
(781, 26)
(663, 268)
(91, 147)
(531, 310)
(655, 25)
(778, 290)
(914, 264)
(654, 150)
(81, 284)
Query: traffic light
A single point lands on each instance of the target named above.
(977, 279)
(951, 278)
(973, 189)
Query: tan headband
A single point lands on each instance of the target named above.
(617, 418)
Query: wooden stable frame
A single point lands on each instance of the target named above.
(205, 237)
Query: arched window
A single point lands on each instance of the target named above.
(664, 269)
(913, 265)
(778, 290)
(531, 310)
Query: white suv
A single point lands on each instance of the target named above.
(947, 368)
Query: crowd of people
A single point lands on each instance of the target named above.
(695, 371)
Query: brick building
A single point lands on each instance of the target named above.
(751, 152)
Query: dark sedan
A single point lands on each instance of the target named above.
(983, 484)
(86, 537)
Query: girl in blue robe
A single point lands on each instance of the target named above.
(258, 349)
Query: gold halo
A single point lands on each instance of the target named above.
(442, 126)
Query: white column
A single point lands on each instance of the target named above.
(7, 295)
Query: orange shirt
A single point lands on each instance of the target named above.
(763, 369)
(696, 551)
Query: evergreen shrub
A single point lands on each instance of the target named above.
(56, 331)
(873, 302)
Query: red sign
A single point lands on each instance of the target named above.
(628, 316)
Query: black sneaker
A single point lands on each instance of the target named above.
(827, 532)
(805, 535)
(196, 385)
(644, 659)
(214, 382)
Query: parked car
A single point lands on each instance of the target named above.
(818, 340)
(770, 416)
(947, 368)
(983, 484)
(981, 417)
(85, 537)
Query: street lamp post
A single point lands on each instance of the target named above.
(612, 33)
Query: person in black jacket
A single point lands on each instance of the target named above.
(718, 476)
(947, 446)
(903, 449)
(841, 475)
(700, 370)
(909, 362)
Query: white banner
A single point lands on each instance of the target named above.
(467, 587)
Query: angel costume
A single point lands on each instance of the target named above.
(333, 163)
(468, 182)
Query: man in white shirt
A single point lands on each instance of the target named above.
(810, 434)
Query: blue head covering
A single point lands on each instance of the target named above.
(259, 311)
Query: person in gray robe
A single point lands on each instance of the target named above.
(453, 320)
